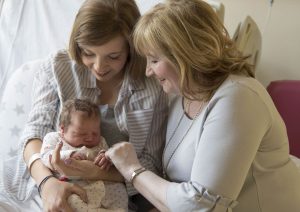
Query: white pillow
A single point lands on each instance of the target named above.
(14, 107)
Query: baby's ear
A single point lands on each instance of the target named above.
(61, 128)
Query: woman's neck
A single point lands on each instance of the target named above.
(192, 108)
(110, 90)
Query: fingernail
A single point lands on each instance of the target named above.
(68, 161)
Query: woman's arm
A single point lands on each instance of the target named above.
(38, 170)
(151, 186)
(86, 169)
(54, 193)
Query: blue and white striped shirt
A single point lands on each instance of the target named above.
(140, 112)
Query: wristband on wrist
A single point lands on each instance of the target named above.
(43, 182)
(136, 172)
(32, 159)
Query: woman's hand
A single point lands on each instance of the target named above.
(124, 157)
(71, 167)
(55, 194)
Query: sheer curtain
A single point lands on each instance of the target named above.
(32, 29)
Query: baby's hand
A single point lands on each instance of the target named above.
(102, 161)
(78, 156)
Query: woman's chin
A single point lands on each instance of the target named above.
(170, 90)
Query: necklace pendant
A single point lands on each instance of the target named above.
(164, 174)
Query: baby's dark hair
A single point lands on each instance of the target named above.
(84, 105)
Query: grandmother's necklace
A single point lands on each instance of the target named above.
(187, 105)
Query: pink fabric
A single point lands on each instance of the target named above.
(286, 96)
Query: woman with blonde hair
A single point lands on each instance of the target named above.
(101, 65)
(226, 144)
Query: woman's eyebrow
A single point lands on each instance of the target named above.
(117, 52)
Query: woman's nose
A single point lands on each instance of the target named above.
(98, 64)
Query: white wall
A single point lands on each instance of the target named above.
(280, 57)
(144, 5)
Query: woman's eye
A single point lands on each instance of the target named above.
(114, 57)
(152, 60)
(87, 54)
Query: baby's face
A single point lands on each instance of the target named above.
(83, 130)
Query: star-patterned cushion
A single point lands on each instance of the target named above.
(14, 107)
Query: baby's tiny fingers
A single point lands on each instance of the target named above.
(103, 161)
(97, 159)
